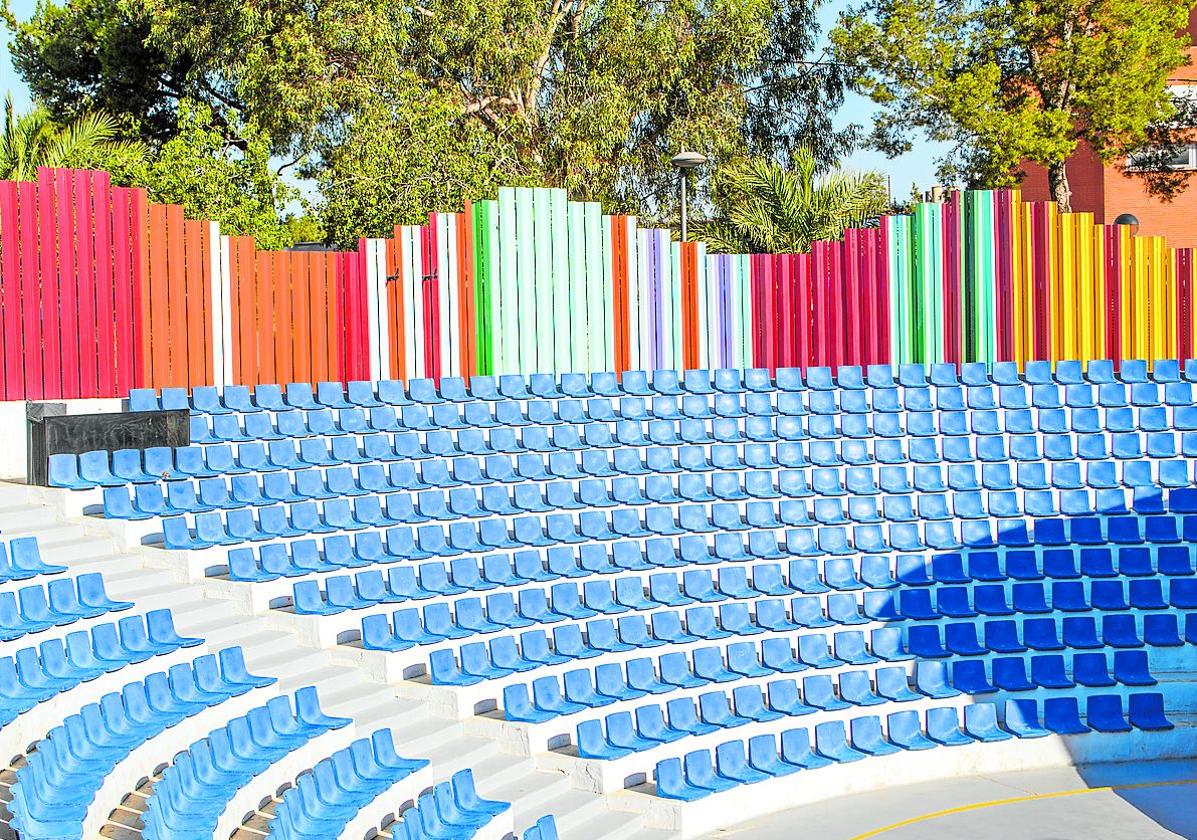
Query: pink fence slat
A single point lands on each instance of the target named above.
(67, 284)
(138, 253)
(836, 298)
(823, 320)
(123, 286)
(47, 273)
(86, 269)
(31, 317)
(882, 245)
(47, 288)
(853, 308)
(802, 302)
(101, 206)
(12, 380)
(784, 333)
(884, 294)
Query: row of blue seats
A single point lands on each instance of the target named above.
(21, 559)
(34, 608)
(1148, 519)
(34, 675)
(1101, 492)
(99, 469)
(959, 638)
(580, 690)
(801, 537)
(922, 603)
(400, 543)
(308, 481)
(336, 788)
(1110, 407)
(210, 400)
(407, 581)
(187, 802)
(715, 713)
(93, 469)
(597, 434)
(59, 780)
(697, 775)
(452, 810)
(405, 630)
(935, 501)
(434, 439)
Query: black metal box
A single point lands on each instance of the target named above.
(52, 432)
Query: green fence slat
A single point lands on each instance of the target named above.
(509, 354)
(525, 280)
(579, 327)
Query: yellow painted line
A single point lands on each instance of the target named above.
(1014, 800)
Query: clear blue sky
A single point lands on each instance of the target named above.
(915, 167)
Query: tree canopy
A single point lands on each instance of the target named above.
(418, 105)
(1006, 80)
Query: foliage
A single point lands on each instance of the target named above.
(1166, 139)
(303, 228)
(92, 55)
(763, 207)
(214, 179)
(1008, 80)
(375, 177)
(89, 142)
(398, 108)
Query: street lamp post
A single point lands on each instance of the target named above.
(684, 161)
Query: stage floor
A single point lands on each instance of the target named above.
(1152, 801)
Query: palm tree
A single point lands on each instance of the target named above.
(34, 139)
(763, 207)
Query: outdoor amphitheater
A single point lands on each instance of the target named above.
(531, 522)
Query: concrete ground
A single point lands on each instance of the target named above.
(1152, 801)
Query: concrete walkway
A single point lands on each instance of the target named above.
(1153, 801)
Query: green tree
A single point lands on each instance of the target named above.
(93, 55)
(590, 95)
(213, 178)
(90, 141)
(1004, 81)
(764, 207)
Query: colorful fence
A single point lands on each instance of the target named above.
(102, 291)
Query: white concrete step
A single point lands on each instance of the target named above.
(15, 518)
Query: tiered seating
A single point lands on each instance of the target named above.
(452, 809)
(326, 802)
(201, 794)
(63, 644)
(67, 785)
(638, 566)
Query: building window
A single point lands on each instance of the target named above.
(1179, 157)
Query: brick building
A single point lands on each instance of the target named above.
(1106, 191)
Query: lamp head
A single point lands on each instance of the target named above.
(688, 160)
(1129, 220)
